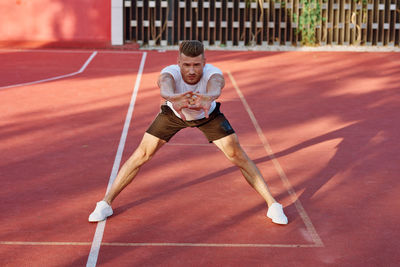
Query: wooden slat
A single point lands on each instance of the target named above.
(218, 18)
(330, 23)
(173, 22)
(363, 19)
(194, 29)
(382, 26)
(347, 21)
(386, 22)
(296, 11)
(285, 22)
(253, 24)
(375, 21)
(397, 22)
(265, 32)
(336, 15)
(282, 23)
(324, 22)
(164, 22)
(140, 12)
(222, 21)
(340, 24)
(204, 18)
(229, 28)
(187, 20)
(212, 20)
(370, 16)
(354, 23)
(127, 20)
(391, 21)
(277, 20)
(256, 24)
(146, 22)
(289, 16)
(153, 29)
(319, 24)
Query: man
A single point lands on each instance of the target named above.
(190, 90)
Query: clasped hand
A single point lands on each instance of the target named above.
(191, 100)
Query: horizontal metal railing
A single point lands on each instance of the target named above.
(261, 22)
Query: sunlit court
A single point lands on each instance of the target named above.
(322, 127)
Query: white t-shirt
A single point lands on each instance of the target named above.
(200, 87)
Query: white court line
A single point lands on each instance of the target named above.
(98, 236)
(206, 145)
(209, 245)
(72, 51)
(303, 214)
(27, 243)
(120, 244)
(57, 77)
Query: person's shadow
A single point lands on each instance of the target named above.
(367, 150)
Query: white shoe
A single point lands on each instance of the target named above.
(101, 212)
(275, 212)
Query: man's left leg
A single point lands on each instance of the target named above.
(230, 146)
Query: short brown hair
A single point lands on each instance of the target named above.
(192, 48)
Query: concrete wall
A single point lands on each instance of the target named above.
(60, 21)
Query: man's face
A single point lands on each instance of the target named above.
(191, 68)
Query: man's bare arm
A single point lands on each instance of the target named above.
(214, 87)
(166, 83)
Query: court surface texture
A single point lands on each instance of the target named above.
(323, 128)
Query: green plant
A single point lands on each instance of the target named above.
(308, 20)
(364, 2)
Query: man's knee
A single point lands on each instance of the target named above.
(146, 150)
(232, 149)
(142, 155)
(235, 154)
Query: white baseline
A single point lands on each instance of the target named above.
(82, 69)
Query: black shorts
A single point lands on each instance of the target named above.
(167, 124)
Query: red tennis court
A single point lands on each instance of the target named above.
(323, 127)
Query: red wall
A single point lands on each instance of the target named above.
(66, 21)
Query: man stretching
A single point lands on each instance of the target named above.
(190, 90)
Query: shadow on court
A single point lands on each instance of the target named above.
(331, 119)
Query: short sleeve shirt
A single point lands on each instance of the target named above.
(200, 87)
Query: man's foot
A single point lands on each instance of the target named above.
(101, 212)
(275, 212)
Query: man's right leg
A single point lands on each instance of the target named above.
(144, 152)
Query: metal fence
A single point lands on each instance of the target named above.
(262, 22)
